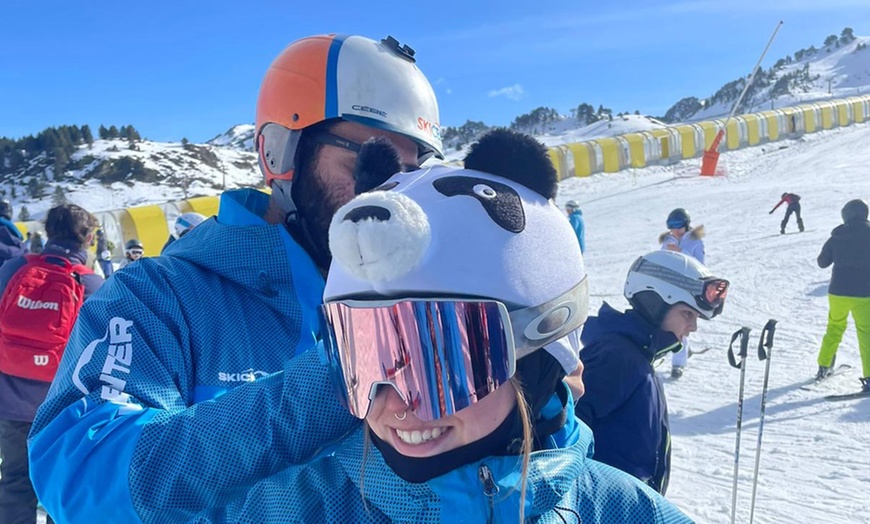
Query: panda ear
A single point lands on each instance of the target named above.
(514, 156)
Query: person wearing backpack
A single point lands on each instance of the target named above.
(40, 297)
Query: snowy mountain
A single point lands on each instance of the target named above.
(839, 69)
(239, 137)
(115, 173)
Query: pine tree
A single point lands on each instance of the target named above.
(23, 214)
(87, 136)
(104, 133)
(113, 132)
(59, 197)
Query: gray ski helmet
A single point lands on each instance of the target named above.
(678, 218)
(854, 211)
(6, 209)
(133, 244)
(572, 204)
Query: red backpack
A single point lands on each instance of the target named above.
(37, 313)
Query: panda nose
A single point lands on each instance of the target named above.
(376, 213)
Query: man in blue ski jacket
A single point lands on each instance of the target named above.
(171, 392)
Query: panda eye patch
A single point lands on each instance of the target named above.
(484, 191)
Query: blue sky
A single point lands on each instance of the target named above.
(192, 68)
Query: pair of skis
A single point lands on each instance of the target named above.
(839, 370)
(765, 347)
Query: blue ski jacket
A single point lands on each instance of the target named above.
(625, 404)
(171, 397)
(11, 244)
(577, 223)
(355, 485)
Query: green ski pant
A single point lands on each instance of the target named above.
(840, 307)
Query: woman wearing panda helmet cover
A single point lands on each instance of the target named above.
(625, 401)
(450, 335)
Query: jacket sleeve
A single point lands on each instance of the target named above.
(826, 257)
(777, 205)
(697, 250)
(119, 437)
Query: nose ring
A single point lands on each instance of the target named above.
(404, 415)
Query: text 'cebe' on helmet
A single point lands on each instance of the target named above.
(677, 278)
(353, 78)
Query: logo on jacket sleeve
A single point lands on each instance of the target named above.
(116, 366)
(249, 375)
(40, 360)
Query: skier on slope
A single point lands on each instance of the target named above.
(793, 202)
(848, 249)
(681, 237)
(625, 401)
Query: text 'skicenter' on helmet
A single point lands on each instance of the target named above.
(353, 78)
(461, 245)
(658, 280)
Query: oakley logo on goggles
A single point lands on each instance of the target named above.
(440, 355)
(709, 292)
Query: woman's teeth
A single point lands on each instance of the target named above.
(417, 437)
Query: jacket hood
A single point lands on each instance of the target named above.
(695, 233)
(631, 325)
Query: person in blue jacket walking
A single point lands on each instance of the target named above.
(11, 240)
(625, 401)
(172, 391)
(681, 237)
(575, 217)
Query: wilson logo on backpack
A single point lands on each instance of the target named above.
(37, 311)
(26, 303)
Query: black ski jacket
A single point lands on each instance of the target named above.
(849, 250)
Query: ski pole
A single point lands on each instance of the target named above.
(743, 335)
(765, 345)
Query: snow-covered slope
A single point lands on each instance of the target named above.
(815, 465)
(830, 71)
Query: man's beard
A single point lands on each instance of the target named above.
(317, 200)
